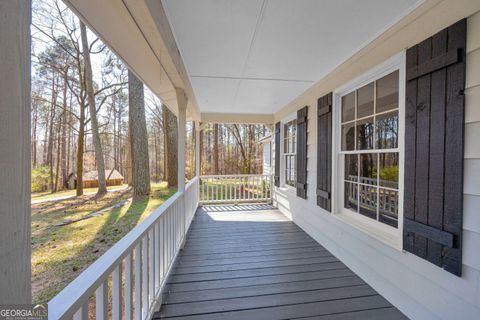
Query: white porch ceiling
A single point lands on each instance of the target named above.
(255, 56)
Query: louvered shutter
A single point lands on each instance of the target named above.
(277, 154)
(302, 122)
(434, 134)
(324, 152)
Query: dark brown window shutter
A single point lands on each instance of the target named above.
(434, 134)
(324, 152)
(302, 117)
(277, 154)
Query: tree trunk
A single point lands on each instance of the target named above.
(50, 132)
(171, 138)
(99, 159)
(80, 146)
(45, 137)
(57, 169)
(34, 133)
(64, 135)
(138, 136)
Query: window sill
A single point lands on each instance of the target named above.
(384, 233)
(287, 188)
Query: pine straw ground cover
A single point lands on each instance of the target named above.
(61, 253)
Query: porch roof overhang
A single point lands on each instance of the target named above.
(237, 61)
(139, 33)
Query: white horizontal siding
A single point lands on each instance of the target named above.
(471, 250)
(473, 39)
(472, 107)
(471, 213)
(471, 183)
(471, 204)
(473, 65)
(472, 136)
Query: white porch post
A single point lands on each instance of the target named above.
(197, 149)
(15, 271)
(182, 127)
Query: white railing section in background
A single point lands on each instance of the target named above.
(235, 188)
(134, 270)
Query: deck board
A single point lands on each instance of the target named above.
(253, 263)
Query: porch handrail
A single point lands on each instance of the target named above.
(235, 188)
(233, 175)
(147, 252)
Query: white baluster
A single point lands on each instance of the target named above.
(162, 248)
(234, 188)
(128, 296)
(82, 313)
(101, 302)
(138, 281)
(117, 293)
(157, 256)
(145, 276)
(151, 266)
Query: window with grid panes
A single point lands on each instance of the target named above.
(290, 152)
(369, 144)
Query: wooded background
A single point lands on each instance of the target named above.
(82, 114)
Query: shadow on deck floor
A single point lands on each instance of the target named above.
(250, 262)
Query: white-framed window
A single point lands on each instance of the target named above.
(369, 121)
(290, 152)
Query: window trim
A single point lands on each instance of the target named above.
(283, 121)
(385, 233)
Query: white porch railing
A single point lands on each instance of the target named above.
(235, 188)
(367, 194)
(136, 266)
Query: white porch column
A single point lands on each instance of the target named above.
(182, 127)
(197, 149)
(15, 271)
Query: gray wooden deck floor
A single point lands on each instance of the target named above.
(256, 264)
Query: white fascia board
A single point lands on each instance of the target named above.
(237, 118)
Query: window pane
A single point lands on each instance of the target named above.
(290, 170)
(368, 169)
(351, 167)
(387, 130)
(387, 92)
(368, 201)
(348, 107)
(293, 141)
(388, 163)
(365, 134)
(348, 136)
(365, 101)
(351, 196)
(388, 207)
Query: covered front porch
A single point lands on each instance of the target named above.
(219, 261)
(251, 262)
(255, 246)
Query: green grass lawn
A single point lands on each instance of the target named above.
(65, 193)
(61, 253)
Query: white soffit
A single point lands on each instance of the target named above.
(255, 56)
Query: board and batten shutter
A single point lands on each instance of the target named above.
(434, 134)
(302, 117)
(277, 155)
(324, 152)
